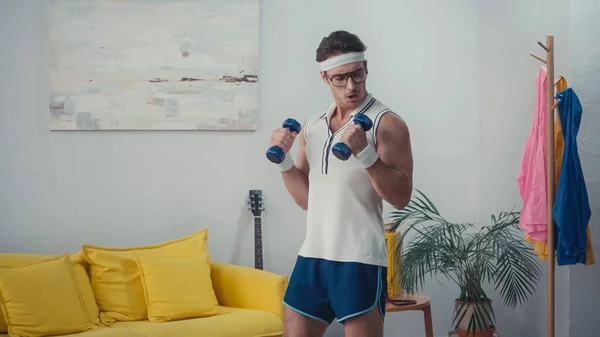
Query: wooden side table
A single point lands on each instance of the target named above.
(423, 303)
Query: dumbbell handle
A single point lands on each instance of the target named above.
(275, 154)
(341, 150)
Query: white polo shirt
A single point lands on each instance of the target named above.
(344, 216)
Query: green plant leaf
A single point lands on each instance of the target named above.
(467, 255)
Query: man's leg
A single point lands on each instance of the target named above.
(359, 297)
(298, 325)
(369, 324)
(307, 309)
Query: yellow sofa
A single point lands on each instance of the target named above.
(170, 289)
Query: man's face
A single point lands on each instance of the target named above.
(346, 92)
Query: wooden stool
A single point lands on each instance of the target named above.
(423, 303)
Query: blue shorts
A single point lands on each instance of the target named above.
(327, 290)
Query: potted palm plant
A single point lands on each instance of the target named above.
(467, 255)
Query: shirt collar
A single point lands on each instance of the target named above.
(332, 107)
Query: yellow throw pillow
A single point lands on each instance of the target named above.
(115, 276)
(43, 299)
(178, 288)
(11, 260)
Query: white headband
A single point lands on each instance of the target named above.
(341, 60)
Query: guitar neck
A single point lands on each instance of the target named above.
(258, 251)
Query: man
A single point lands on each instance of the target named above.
(341, 269)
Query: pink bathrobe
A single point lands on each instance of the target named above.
(532, 173)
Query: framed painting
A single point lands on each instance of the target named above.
(154, 64)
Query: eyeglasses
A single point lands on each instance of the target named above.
(340, 80)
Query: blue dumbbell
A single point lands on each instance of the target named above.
(275, 153)
(341, 150)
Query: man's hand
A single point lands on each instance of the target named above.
(355, 138)
(283, 138)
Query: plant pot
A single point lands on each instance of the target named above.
(488, 333)
(469, 309)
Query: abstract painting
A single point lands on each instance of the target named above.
(154, 64)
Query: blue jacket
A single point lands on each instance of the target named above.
(571, 210)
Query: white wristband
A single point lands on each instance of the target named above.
(286, 164)
(368, 156)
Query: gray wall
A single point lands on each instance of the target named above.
(464, 84)
(584, 284)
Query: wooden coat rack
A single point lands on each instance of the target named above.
(550, 106)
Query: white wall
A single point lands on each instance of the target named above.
(584, 286)
(440, 64)
(509, 31)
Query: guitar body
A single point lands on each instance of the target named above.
(256, 205)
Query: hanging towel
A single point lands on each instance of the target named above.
(571, 210)
(541, 248)
(532, 174)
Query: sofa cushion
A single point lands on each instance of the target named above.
(236, 323)
(43, 299)
(116, 280)
(8, 260)
(103, 332)
(178, 288)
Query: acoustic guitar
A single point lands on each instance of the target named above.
(256, 206)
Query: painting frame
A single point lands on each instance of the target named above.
(130, 65)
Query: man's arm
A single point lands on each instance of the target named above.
(296, 178)
(391, 175)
